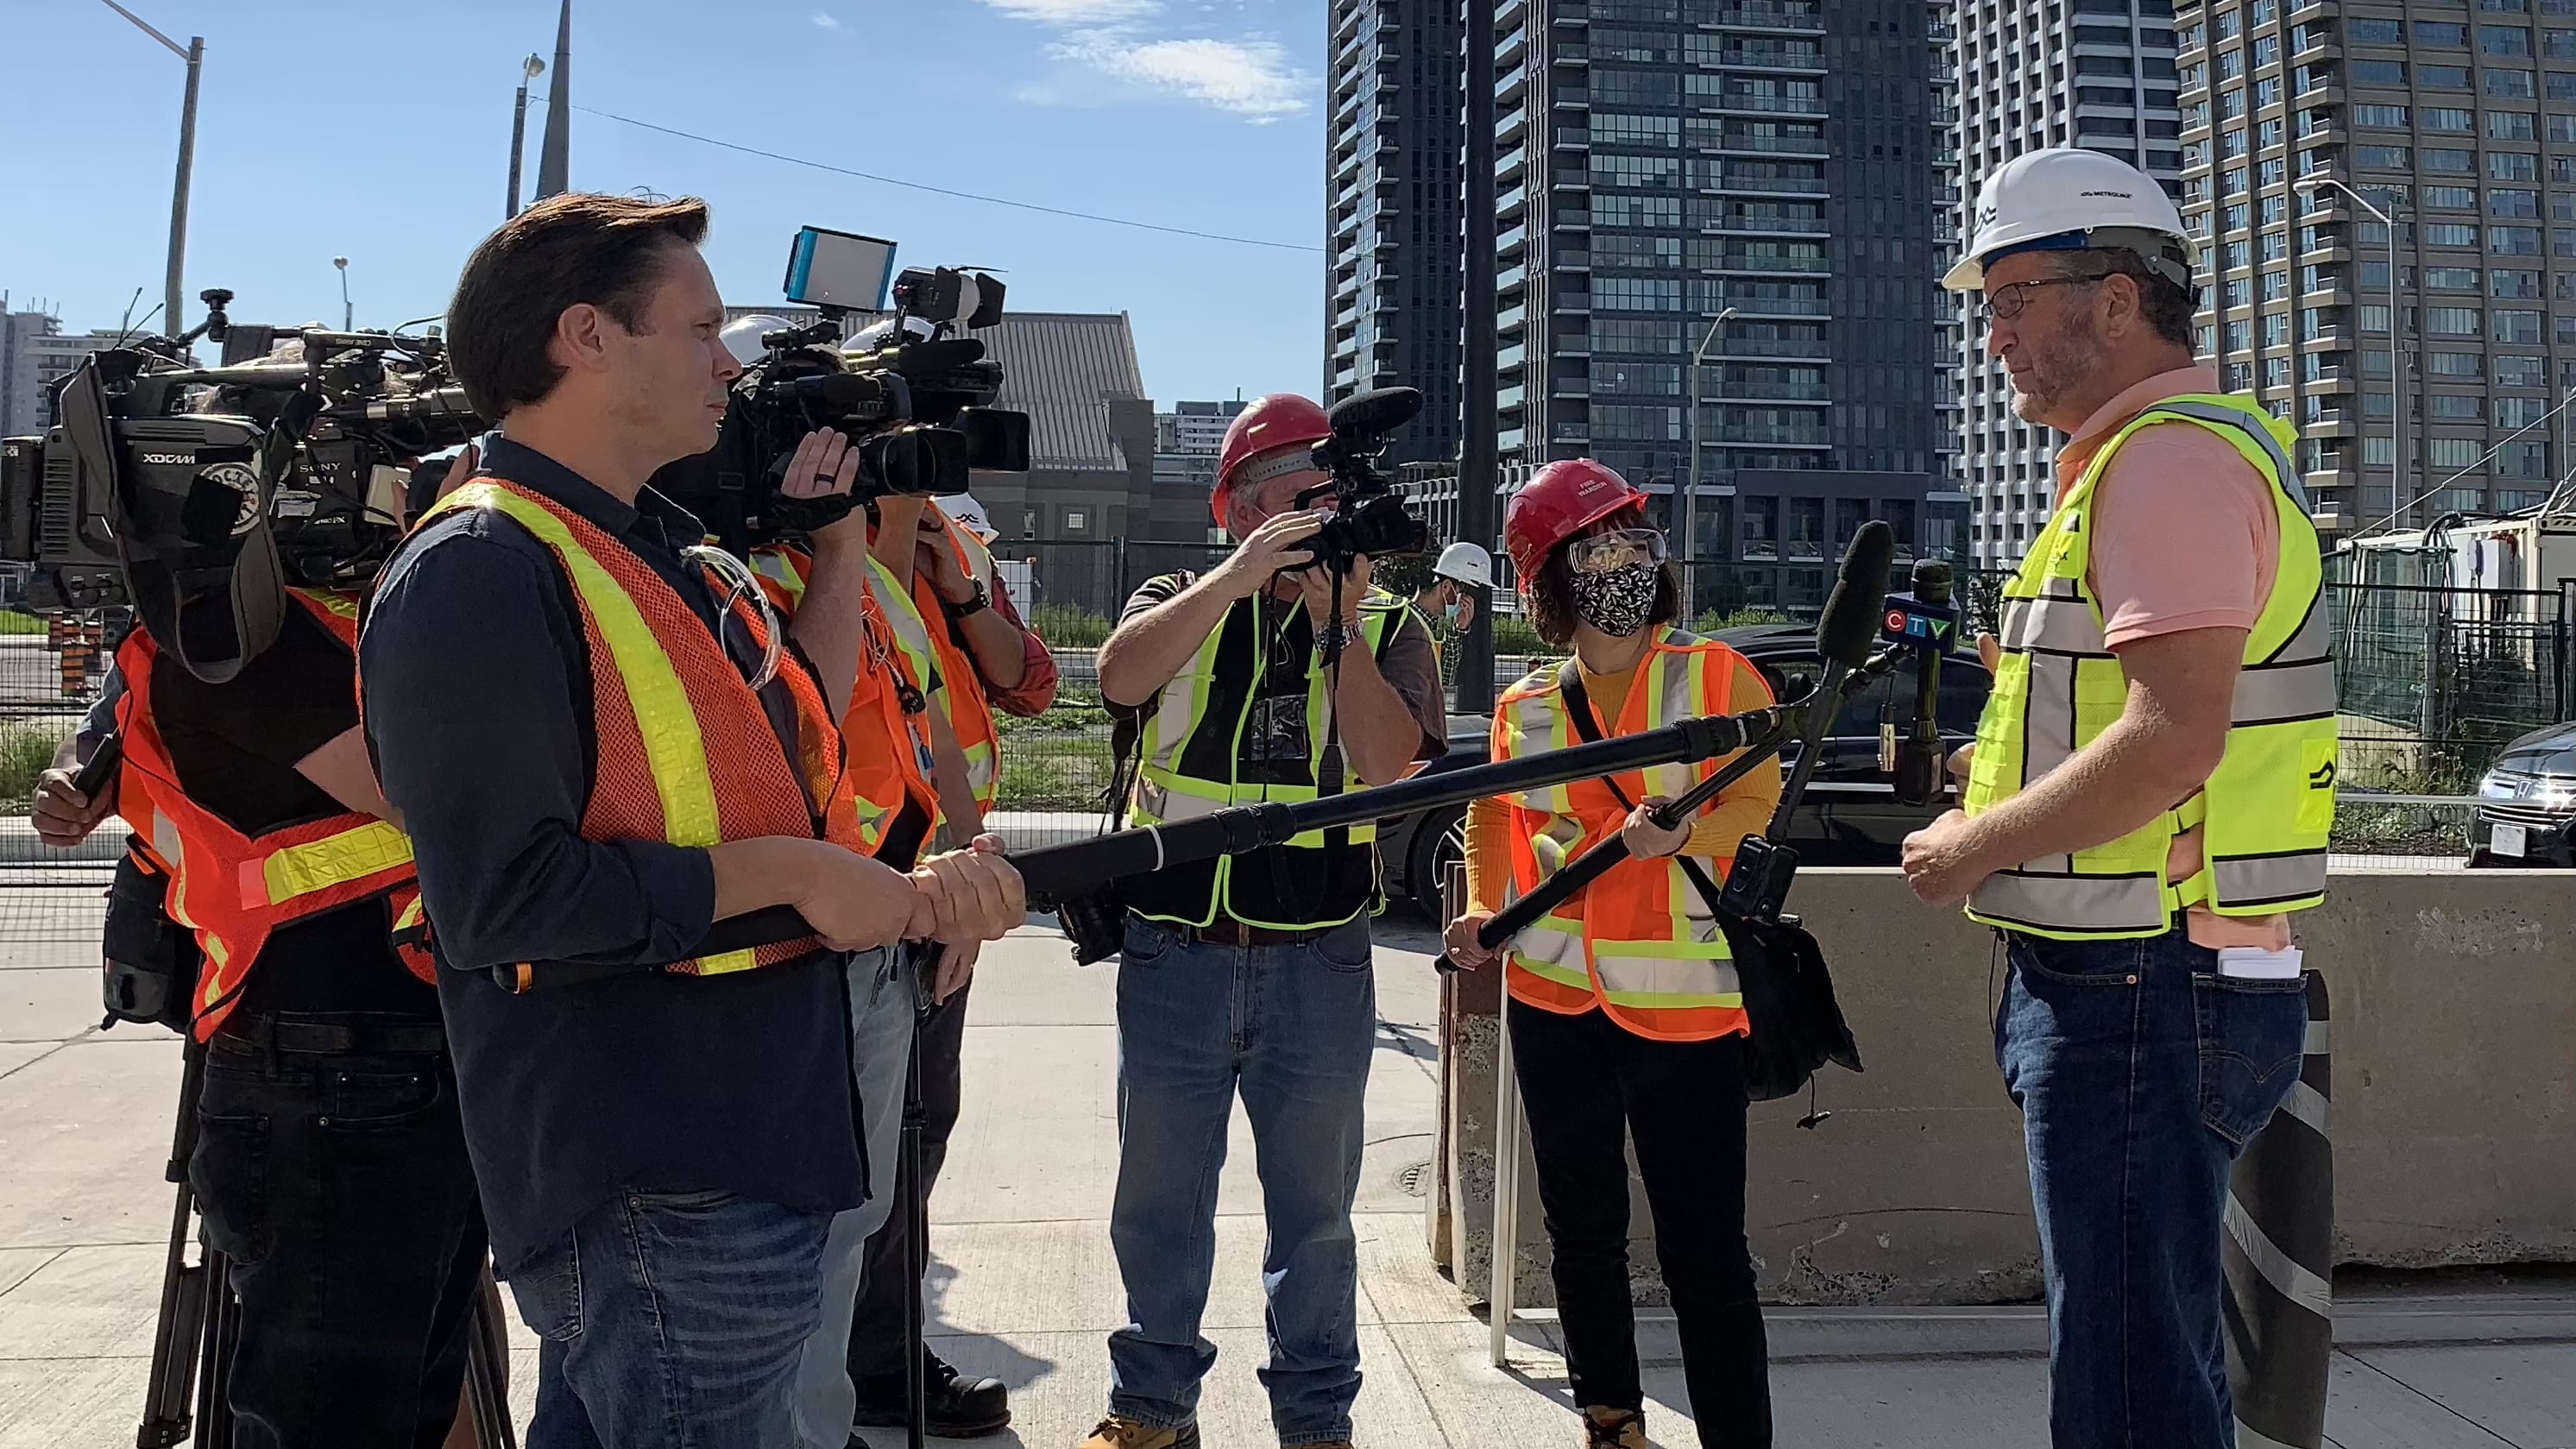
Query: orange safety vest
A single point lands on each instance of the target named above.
(233, 889)
(970, 713)
(1641, 944)
(683, 750)
(889, 713)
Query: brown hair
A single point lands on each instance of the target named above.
(1550, 597)
(564, 251)
(2167, 308)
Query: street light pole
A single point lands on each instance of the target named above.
(348, 315)
(1690, 490)
(194, 53)
(2396, 379)
(529, 70)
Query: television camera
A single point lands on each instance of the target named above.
(1369, 518)
(914, 396)
(198, 495)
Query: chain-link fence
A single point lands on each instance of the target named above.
(50, 901)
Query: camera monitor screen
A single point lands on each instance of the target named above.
(839, 269)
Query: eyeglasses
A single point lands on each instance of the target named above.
(2004, 303)
(1618, 549)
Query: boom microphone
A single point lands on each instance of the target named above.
(1843, 636)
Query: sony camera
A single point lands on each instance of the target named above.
(198, 495)
(1369, 518)
(914, 397)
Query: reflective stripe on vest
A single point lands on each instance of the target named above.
(659, 696)
(1166, 794)
(970, 710)
(1641, 944)
(232, 890)
(2267, 809)
(894, 664)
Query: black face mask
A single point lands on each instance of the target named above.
(1617, 601)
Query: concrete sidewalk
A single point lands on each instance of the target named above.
(1024, 1285)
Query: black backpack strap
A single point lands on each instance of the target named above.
(1578, 712)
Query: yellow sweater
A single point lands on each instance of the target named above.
(1742, 810)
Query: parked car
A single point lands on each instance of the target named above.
(2526, 813)
(1849, 815)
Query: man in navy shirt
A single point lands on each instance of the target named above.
(660, 1154)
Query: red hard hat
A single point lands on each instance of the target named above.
(1558, 502)
(1281, 420)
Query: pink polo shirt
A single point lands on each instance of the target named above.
(2185, 536)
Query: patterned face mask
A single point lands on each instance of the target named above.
(1617, 601)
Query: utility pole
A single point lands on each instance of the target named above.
(1690, 491)
(194, 53)
(554, 151)
(529, 70)
(1477, 503)
(348, 314)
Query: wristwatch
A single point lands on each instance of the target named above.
(976, 602)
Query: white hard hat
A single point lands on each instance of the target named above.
(1467, 564)
(742, 336)
(966, 512)
(2067, 198)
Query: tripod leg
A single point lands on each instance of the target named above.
(485, 1351)
(184, 1289)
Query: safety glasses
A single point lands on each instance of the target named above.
(1619, 549)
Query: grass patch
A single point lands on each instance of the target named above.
(13, 622)
(1066, 626)
(1514, 634)
(26, 752)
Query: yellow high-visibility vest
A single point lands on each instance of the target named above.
(2267, 809)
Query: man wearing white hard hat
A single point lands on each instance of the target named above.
(1457, 580)
(2150, 791)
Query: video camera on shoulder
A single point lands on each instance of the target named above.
(200, 494)
(910, 393)
(1369, 518)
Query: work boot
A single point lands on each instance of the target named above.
(1614, 1429)
(1120, 1432)
(955, 1407)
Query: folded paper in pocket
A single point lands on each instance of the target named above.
(2252, 963)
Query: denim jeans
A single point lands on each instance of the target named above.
(2140, 1073)
(881, 1005)
(1291, 1028)
(340, 1188)
(673, 1320)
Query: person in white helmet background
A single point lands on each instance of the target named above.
(1460, 577)
(2161, 643)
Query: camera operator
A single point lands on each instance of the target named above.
(599, 757)
(329, 1150)
(1226, 672)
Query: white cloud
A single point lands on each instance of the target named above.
(1249, 77)
(825, 21)
(1076, 12)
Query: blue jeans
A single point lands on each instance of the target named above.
(673, 1320)
(1292, 1028)
(881, 985)
(2140, 1073)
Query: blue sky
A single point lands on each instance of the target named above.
(381, 132)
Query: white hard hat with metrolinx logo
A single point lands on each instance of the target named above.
(2071, 199)
(1467, 564)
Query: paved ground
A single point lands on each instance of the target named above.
(1024, 1285)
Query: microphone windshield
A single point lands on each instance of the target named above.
(1851, 616)
(1376, 412)
(1932, 581)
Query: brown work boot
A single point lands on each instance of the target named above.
(1120, 1432)
(1614, 1429)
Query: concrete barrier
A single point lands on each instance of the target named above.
(2455, 1099)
